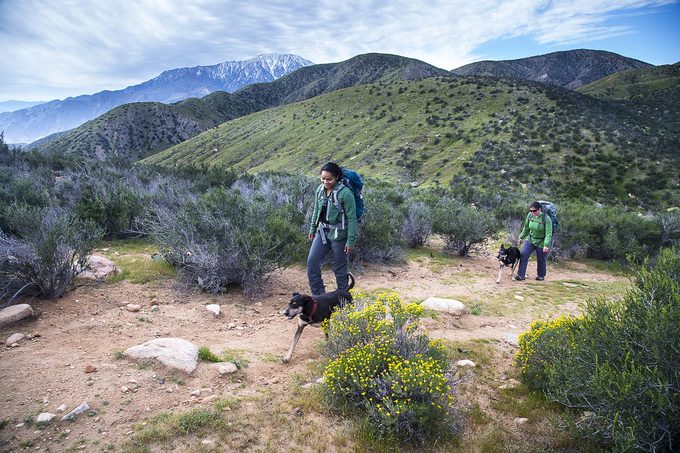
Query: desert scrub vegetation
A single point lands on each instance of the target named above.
(616, 366)
(381, 366)
(48, 250)
(223, 238)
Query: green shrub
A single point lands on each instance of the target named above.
(47, 257)
(618, 363)
(417, 224)
(222, 238)
(463, 227)
(380, 364)
(380, 228)
(607, 232)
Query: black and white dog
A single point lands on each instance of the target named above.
(314, 310)
(507, 258)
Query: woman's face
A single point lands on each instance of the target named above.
(535, 212)
(328, 179)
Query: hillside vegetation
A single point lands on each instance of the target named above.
(139, 129)
(472, 132)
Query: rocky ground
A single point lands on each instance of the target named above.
(73, 353)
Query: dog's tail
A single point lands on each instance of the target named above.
(351, 280)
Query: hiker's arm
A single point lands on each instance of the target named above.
(351, 214)
(313, 221)
(547, 242)
(525, 230)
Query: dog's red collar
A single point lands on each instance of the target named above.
(311, 315)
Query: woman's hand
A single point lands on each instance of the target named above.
(546, 249)
(348, 250)
(311, 236)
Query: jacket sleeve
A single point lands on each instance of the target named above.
(525, 231)
(315, 213)
(348, 203)
(547, 242)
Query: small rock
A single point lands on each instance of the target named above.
(90, 368)
(231, 326)
(519, 298)
(308, 385)
(154, 309)
(511, 384)
(125, 389)
(207, 442)
(321, 380)
(521, 420)
(19, 425)
(466, 362)
(225, 368)
(77, 411)
(209, 399)
(14, 338)
(174, 353)
(45, 418)
(206, 391)
(196, 393)
(62, 408)
(15, 313)
(133, 307)
(213, 308)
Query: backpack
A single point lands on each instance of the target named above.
(551, 210)
(355, 183)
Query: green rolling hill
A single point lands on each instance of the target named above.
(497, 134)
(140, 129)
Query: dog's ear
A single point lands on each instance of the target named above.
(296, 294)
(502, 246)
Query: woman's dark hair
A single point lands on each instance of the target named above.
(535, 205)
(333, 168)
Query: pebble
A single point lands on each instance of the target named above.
(14, 338)
(90, 368)
(521, 420)
(62, 408)
(45, 418)
(210, 399)
(133, 307)
(520, 298)
(214, 309)
(196, 393)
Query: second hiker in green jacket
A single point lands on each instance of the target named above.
(333, 228)
(537, 235)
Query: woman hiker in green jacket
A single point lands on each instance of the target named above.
(538, 232)
(333, 228)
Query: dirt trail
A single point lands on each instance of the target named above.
(90, 326)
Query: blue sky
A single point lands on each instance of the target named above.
(57, 48)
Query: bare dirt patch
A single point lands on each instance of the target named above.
(264, 400)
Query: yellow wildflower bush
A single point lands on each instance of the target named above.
(537, 347)
(382, 364)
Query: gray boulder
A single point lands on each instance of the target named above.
(452, 306)
(175, 353)
(98, 267)
(15, 313)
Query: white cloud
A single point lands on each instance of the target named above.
(63, 48)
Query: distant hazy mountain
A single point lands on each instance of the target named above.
(140, 129)
(11, 106)
(29, 124)
(569, 69)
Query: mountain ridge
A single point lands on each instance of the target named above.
(170, 86)
(567, 69)
(95, 137)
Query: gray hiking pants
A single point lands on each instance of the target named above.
(527, 250)
(317, 253)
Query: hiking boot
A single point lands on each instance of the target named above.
(540, 279)
(519, 279)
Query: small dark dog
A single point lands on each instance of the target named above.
(314, 310)
(508, 258)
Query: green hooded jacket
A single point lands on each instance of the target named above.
(538, 229)
(334, 216)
